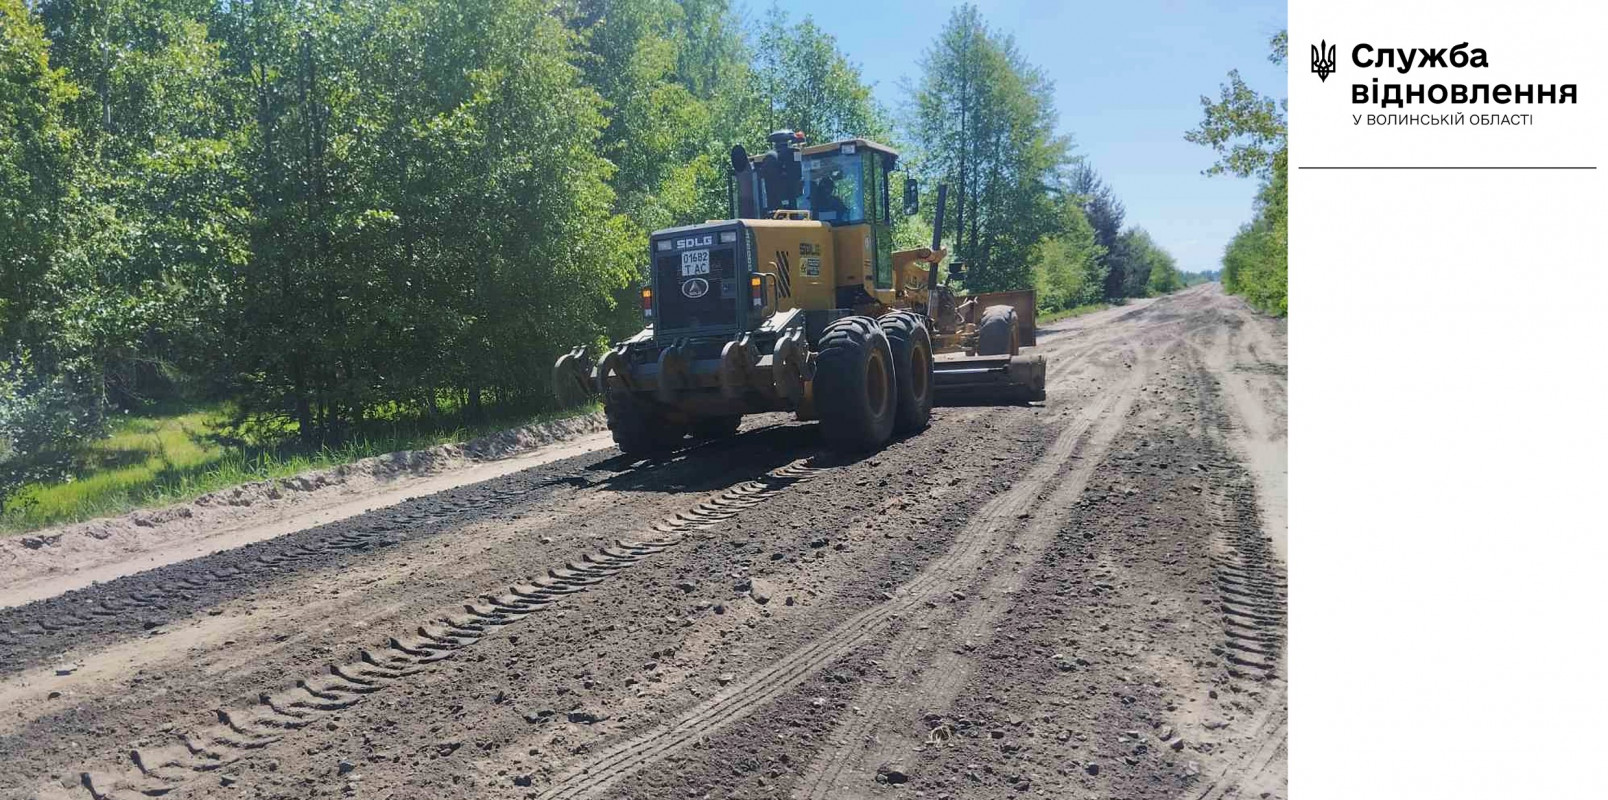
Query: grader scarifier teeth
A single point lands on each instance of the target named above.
(675, 372)
(791, 365)
(572, 376)
(737, 361)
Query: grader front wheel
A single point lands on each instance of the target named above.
(998, 334)
(638, 428)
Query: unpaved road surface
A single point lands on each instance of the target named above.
(1079, 599)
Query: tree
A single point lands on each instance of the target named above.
(1105, 213)
(983, 120)
(1247, 130)
(426, 179)
(1069, 265)
(656, 124)
(1256, 261)
(1164, 274)
(37, 152)
(130, 199)
(161, 219)
(328, 211)
(47, 398)
(1153, 270)
(1249, 135)
(805, 83)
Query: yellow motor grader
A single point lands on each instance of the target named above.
(801, 304)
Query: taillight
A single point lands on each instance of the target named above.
(647, 303)
(756, 291)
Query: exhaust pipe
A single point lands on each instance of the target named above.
(937, 240)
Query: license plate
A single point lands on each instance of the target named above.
(694, 262)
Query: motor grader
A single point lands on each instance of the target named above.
(800, 303)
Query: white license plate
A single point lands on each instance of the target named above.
(694, 262)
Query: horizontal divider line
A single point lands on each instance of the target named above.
(1373, 167)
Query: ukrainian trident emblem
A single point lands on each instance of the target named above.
(1323, 59)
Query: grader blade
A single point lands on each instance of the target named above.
(989, 379)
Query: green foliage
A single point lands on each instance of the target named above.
(323, 214)
(175, 456)
(1089, 261)
(37, 147)
(984, 121)
(1105, 214)
(42, 416)
(653, 118)
(1130, 262)
(804, 83)
(1147, 269)
(436, 188)
(1164, 276)
(1246, 129)
(1069, 266)
(49, 395)
(1248, 132)
(1256, 261)
(1047, 317)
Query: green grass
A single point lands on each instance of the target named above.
(1047, 317)
(162, 458)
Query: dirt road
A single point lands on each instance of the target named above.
(1083, 599)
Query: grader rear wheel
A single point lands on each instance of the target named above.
(855, 388)
(911, 347)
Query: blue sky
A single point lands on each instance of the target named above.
(1128, 80)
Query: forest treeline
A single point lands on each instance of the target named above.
(323, 211)
(1249, 134)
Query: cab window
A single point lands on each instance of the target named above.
(834, 188)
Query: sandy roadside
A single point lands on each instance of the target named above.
(49, 562)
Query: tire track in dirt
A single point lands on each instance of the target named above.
(1261, 770)
(376, 535)
(38, 633)
(841, 771)
(1248, 564)
(1248, 364)
(1107, 675)
(1252, 587)
(159, 771)
(948, 573)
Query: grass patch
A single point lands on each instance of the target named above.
(1047, 317)
(170, 457)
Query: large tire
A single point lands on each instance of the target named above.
(638, 429)
(997, 334)
(716, 427)
(855, 388)
(911, 346)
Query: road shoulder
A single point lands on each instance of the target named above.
(49, 562)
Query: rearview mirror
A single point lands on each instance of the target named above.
(912, 197)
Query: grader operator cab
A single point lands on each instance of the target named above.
(801, 304)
